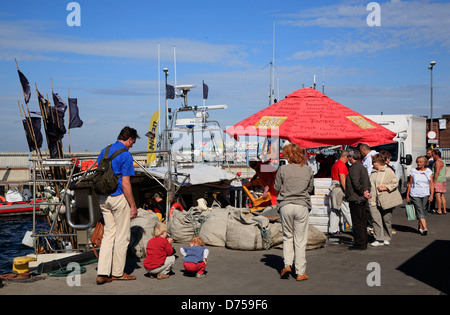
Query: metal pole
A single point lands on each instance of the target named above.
(166, 146)
(432, 64)
(431, 99)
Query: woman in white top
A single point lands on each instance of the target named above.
(421, 191)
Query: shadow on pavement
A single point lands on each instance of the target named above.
(430, 266)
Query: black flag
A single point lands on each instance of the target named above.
(35, 123)
(75, 121)
(170, 92)
(55, 130)
(205, 91)
(55, 122)
(59, 103)
(25, 86)
(42, 101)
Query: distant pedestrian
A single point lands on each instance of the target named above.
(432, 208)
(385, 197)
(338, 204)
(366, 156)
(430, 158)
(266, 174)
(440, 185)
(387, 159)
(294, 182)
(357, 192)
(420, 191)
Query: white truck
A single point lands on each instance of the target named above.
(410, 142)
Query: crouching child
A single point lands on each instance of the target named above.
(160, 253)
(195, 257)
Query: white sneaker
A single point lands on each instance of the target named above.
(386, 243)
(376, 243)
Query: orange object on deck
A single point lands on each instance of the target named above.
(260, 202)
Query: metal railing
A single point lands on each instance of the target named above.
(445, 152)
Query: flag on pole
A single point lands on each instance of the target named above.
(170, 92)
(75, 121)
(33, 125)
(55, 122)
(59, 103)
(42, 101)
(25, 86)
(205, 91)
(152, 135)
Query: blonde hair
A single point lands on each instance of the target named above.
(197, 240)
(425, 160)
(159, 229)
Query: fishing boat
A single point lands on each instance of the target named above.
(180, 172)
(18, 207)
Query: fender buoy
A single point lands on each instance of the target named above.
(176, 206)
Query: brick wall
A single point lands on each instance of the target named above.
(443, 134)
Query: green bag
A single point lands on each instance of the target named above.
(410, 212)
(104, 180)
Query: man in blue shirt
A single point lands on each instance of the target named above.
(117, 209)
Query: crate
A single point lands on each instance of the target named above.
(320, 200)
(321, 191)
(319, 210)
(322, 182)
(320, 222)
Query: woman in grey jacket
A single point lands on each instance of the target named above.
(294, 182)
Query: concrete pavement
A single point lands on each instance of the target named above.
(412, 265)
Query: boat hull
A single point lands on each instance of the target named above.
(18, 207)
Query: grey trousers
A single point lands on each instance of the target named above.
(166, 268)
(334, 217)
(294, 220)
(382, 223)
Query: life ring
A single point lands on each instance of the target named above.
(175, 206)
(2, 199)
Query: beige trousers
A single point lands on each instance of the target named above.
(116, 237)
(166, 268)
(294, 220)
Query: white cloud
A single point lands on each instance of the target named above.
(22, 38)
(411, 23)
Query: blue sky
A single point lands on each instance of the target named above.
(110, 61)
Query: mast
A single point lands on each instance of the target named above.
(272, 70)
(323, 78)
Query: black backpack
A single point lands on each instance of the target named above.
(104, 181)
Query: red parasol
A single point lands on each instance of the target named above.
(311, 119)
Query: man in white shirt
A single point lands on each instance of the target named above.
(367, 154)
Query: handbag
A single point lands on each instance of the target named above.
(97, 236)
(410, 212)
(386, 199)
(390, 200)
